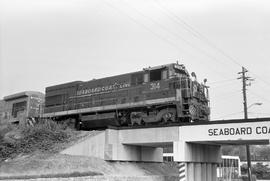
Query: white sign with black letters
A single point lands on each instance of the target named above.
(226, 132)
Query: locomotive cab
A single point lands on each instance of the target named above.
(191, 97)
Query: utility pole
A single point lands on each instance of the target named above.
(244, 81)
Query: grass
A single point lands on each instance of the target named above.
(61, 175)
(44, 136)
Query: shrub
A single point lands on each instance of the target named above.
(261, 171)
(43, 136)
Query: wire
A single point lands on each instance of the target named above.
(224, 99)
(200, 36)
(267, 83)
(175, 34)
(226, 94)
(190, 29)
(196, 33)
(226, 115)
(144, 26)
(264, 98)
(222, 81)
(259, 113)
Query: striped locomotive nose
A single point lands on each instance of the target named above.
(182, 171)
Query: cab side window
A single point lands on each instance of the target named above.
(155, 75)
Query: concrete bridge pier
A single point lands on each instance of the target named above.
(197, 162)
(198, 172)
(193, 171)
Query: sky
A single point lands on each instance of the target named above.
(49, 42)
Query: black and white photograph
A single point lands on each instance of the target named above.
(121, 90)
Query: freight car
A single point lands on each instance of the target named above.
(155, 95)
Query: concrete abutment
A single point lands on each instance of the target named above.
(196, 146)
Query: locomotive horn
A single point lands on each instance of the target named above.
(193, 75)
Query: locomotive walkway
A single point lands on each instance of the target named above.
(196, 146)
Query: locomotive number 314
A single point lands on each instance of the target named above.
(155, 86)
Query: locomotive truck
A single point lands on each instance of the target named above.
(156, 95)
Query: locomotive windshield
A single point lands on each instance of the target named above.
(158, 74)
(180, 70)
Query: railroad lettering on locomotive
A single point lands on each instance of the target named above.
(103, 89)
(156, 95)
(155, 86)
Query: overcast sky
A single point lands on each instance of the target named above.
(48, 42)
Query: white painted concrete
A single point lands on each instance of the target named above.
(201, 172)
(117, 150)
(90, 146)
(190, 152)
(151, 154)
(204, 173)
(209, 174)
(150, 136)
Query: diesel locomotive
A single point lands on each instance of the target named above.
(156, 95)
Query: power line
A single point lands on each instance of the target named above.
(225, 101)
(222, 86)
(143, 25)
(267, 83)
(165, 28)
(222, 81)
(190, 29)
(200, 36)
(227, 115)
(258, 95)
(168, 30)
(173, 33)
(227, 94)
(262, 113)
(196, 33)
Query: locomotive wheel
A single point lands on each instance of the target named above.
(168, 115)
(134, 124)
(142, 122)
(123, 119)
(136, 118)
(186, 119)
(78, 125)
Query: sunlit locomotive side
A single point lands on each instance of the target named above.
(155, 95)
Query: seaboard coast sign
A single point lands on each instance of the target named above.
(239, 131)
(256, 131)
